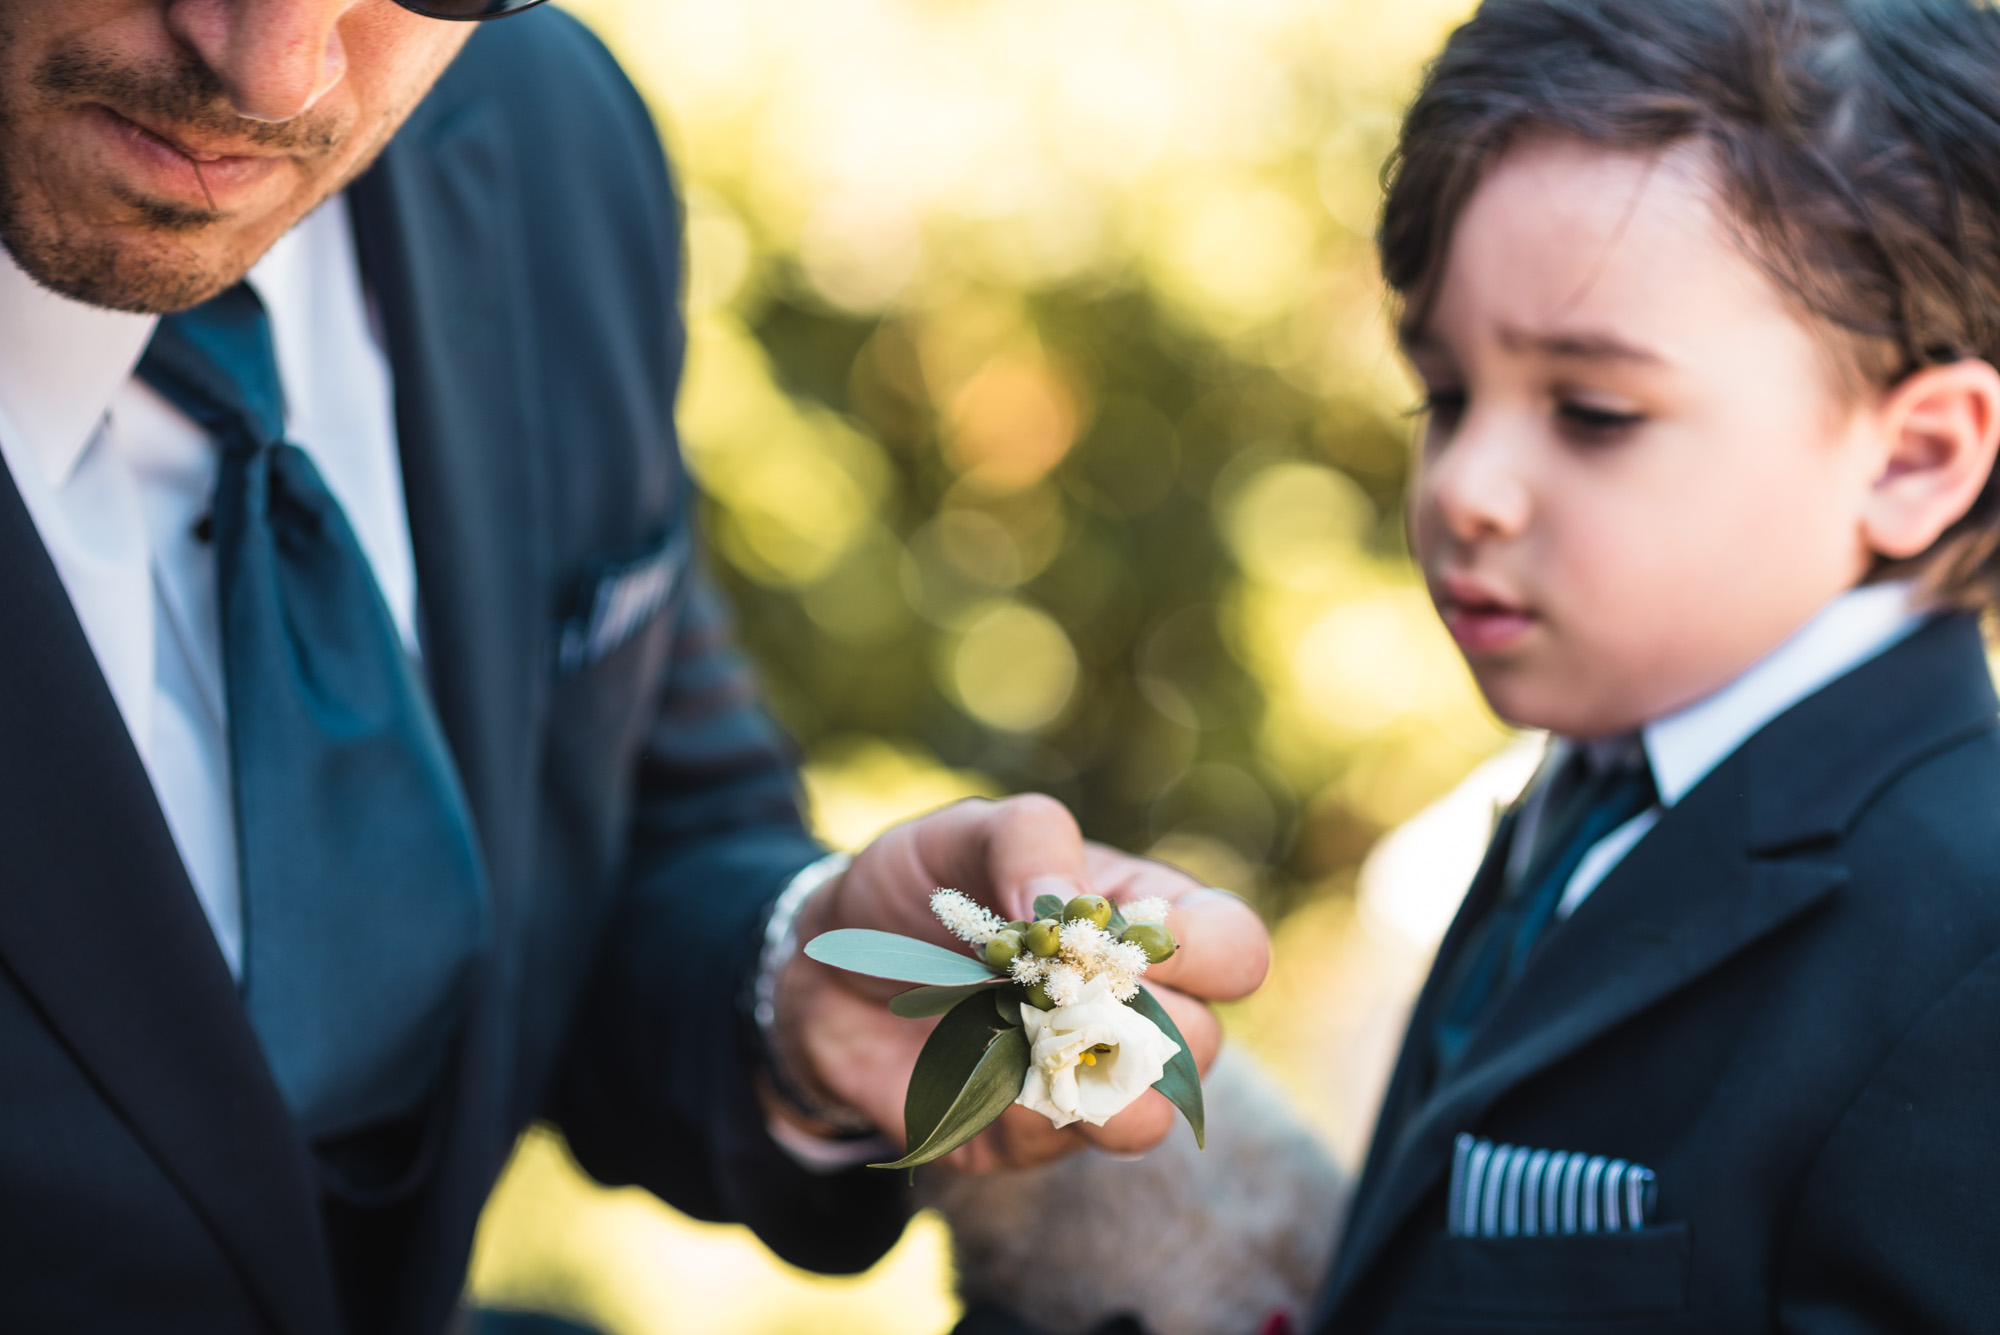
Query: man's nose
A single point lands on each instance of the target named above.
(1477, 482)
(275, 58)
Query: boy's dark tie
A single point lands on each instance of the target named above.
(1586, 801)
(364, 899)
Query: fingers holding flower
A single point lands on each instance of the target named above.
(1114, 917)
(1064, 1029)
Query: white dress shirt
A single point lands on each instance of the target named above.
(115, 479)
(1685, 746)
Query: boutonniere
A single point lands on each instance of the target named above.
(1049, 1014)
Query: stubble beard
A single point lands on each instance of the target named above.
(167, 258)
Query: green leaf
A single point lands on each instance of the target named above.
(1007, 1000)
(922, 1002)
(1181, 1081)
(903, 958)
(1048, 906)
(949, 1057)
(1118, 923)
(995, 1083)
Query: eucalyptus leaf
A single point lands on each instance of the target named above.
(1008, 1001)
(1181, 1081)
(994, 1084)
(922, 1002)
(947, 1061)
(903, 958)
(1048, 906)
(1118, 923)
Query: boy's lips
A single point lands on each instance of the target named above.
(1480, 618)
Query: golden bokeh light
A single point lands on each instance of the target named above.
(1013, 668)
(1051, 437)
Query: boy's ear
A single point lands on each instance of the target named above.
(1941, 427)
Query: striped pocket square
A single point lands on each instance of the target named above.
(617, 601)
(1507, 1191)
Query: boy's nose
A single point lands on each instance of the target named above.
(1475, 485)
(275, 58)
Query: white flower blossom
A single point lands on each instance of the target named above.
(1090, 1059)
(1028, 968)
(1153, 910)
(964, 919)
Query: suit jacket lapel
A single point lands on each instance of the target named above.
(1604, 974)
(437, 224)
(1709, 881)
(106, 934)
(1412, 1076)
(99, 924)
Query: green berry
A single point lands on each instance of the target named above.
(1039, 998)
(1091, 908)
(1044, 938)
(1154, 939)
(1022, 926)
(1001, 950)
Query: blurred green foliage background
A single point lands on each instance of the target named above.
(1040, 388)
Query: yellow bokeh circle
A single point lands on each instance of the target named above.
(1013, 668)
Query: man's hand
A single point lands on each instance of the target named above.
(836, 1027)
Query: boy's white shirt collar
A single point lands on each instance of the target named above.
(1685, 746)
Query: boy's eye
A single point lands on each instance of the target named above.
(1596, 423)
(1442, 406)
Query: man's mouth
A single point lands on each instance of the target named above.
(1482, 619)
(179, 164)
(186, 145)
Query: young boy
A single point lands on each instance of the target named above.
(1706, 298)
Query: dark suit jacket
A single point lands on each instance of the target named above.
(1786, 1002)
(637, 815)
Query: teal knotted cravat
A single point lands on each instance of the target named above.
(365, 907)
(1585, 802)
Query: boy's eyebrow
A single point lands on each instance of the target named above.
(1580, 344)
(1585, 344)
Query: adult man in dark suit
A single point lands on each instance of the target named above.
(603, 819)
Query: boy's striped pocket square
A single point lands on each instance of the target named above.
(1508, 1191)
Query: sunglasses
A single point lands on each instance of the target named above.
(467, 11)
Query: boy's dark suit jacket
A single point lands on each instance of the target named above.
(521, 239)
(1786, 1002)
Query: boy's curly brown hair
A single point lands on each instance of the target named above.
(1856, 143)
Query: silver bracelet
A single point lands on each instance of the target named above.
(781, 935)
(781, 943)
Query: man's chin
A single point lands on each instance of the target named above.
(149, 270)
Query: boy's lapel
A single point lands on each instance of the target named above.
(1412, 1076)
(1750, 850)
(1607, 970)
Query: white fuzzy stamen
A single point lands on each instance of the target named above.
(1028, 968)
(1121, 966)
(1065, 982)
(1083, 941)
(964, 919)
